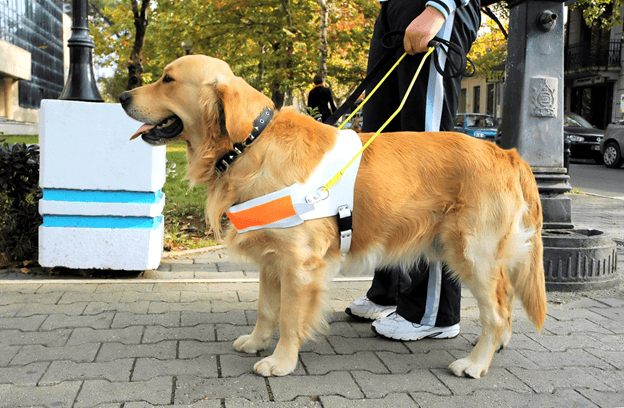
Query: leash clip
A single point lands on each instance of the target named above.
(319, 195)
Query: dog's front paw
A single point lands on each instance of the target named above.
(247, 344)
(466, 367)
(273, 366)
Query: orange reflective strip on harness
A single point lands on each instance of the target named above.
(263, 214)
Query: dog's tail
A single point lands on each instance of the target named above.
(529, 282)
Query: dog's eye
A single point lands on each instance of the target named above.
(167, 78)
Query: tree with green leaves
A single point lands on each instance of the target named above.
(273, 44)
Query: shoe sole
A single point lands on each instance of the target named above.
(435, 335)
(368, 316)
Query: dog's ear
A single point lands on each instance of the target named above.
(241, 105)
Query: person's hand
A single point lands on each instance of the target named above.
(422, 30)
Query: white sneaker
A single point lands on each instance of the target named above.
(398, 328)
(366, 309)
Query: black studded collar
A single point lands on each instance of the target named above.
(258, 126)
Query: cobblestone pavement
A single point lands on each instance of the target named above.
(164, 338)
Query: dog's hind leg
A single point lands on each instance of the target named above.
(495, 320)
(268, 314)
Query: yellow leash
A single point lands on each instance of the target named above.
(339, 175)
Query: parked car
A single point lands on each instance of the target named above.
(583, 137)
(477, 125)
(611, 146)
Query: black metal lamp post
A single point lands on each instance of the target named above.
(81, 84)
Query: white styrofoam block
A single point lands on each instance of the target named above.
(50, 207)
(86, 146)
(101, 248)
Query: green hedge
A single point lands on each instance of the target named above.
(19, 202)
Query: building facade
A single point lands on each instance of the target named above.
(32, 58)
(593, 76)
(594, 79)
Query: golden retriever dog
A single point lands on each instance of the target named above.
(441, 196)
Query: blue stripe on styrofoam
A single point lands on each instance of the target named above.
(76, 221)
(102, 196)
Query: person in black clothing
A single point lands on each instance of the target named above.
(321, 98)
(424, 301)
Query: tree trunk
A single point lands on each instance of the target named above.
(135, 63)
(323, 47)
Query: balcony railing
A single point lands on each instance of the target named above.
(583, 55)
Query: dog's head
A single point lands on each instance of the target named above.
(199, 100)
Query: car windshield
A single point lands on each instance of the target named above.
(479, 121)
(574, 120)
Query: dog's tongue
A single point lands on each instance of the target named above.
(142, 129)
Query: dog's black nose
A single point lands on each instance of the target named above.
(125, 98)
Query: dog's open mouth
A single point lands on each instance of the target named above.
(161, 133)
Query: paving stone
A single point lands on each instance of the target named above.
(568, 358)
(99, 321)
(193, 267)
(301, 402)
(78, 297)
(126, 287)
(61, 287)
(564, 314)
(344, 345)
(201, 332)
(164, 307)
(18, 337)
(115, 351)
(221, 307)
(148, 368)
(343, 329)
(198, 404)
(30, 323)
(612, 378)
(26, 298)
(192, 348)
(124, 319)
(190, 389)
(614, 358)
(31, 354)
(334, 383)
(23, 375)
(403, 364)
(73, 309)
(555, 327)
(168, 296)
(602, 399)
(155, 391)
(503, 398)
(128, 335)
(8, 352)
(231, 317)
(180, 287)
(60, 395)
(191, 296)
(131, 307)
(573, 341)
(389, 401)
(613, 313)
(495, 379)
(10, 310)
(26, 287)
(547, 381)
(461, 343)
(61, 371)
(228, 332)
(317, 364)
(380, 385)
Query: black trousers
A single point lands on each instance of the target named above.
(421, 296)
